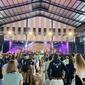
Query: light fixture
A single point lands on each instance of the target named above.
(30, 33)
(9, 32)
(50, 33)
(70, 34)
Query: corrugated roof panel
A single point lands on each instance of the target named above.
(74, 17)
(72, 3)
(83, 9)
(57, 1)
(67, 2)
(76, 4)
(64, 10)
(80, 6)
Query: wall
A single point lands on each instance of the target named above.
(38, 22)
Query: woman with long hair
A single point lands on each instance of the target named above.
(80, 66)
(12, 76)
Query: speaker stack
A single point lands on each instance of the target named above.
(1, 41)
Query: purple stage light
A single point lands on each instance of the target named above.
(15, 49)
(67, 45)
(64, 48)
(10, 44)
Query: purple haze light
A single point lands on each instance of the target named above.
(10, 44)
(64, 48)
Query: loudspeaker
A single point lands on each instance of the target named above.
(80, 48)
(1, 41)
(76, 48)
(77, 40)
(6, 46)
(72, 47)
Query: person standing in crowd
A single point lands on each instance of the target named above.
(4, 68)
(47, 81)
(1, 76)
(37, 78)
(12, 76)
(56, 71)
(70, 67)
(80, 66)
(42, 62)
(47, 65)
(25, 68)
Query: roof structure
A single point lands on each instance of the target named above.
(70, 12)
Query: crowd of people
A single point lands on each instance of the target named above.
(42, 69)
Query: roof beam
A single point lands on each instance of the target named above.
(35, 16)
(65, 7)
(38, 14)
(45, 2)
(53, 18)
(19, 19)
(57, 20)
(17, 15)
(55, 14)
(81, 25)
(17, 5)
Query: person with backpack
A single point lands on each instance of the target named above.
(56, 71)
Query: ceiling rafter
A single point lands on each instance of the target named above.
(55, 14)
(18, 20)
(16, 15)
(53, 4)
(42, 11)
(57, 20)
(37, 14)
(9, 5)
(17, 5)
(65, 7)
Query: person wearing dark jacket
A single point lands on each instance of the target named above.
(70, 68)
(56, 71)
(76, 80)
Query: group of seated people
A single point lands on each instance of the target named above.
(51, 69)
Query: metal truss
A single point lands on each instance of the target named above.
(43, 2)
(38, 14)
(41, 11)
(55, 14)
